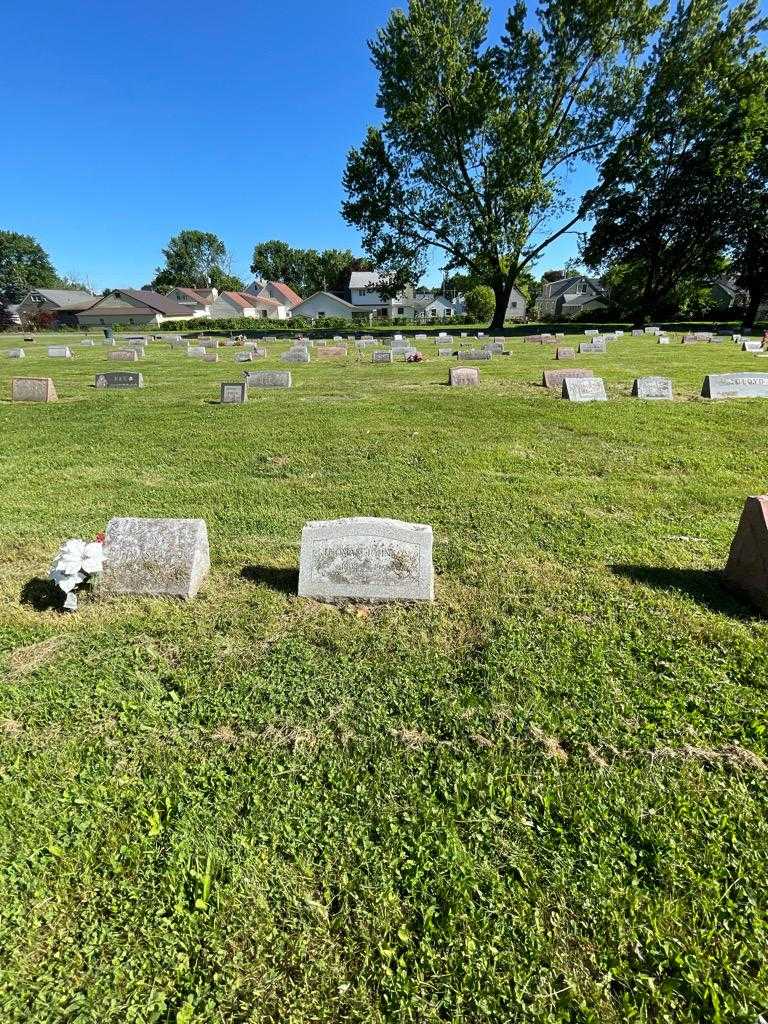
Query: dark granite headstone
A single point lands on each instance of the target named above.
(747, 567)
(119, 380)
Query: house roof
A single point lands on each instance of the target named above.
(152, 300)
(728, 284)
(365, 279)
(66, 298)
(581, 300)
(195, 295)
(566, 283)
(330, 295)
(288, 293)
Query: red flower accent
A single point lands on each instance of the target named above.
(100, 537)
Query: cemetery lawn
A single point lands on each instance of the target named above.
(544, 798)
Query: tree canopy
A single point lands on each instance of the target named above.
(748, 211)
(196, 259)
(306, 270)
(663, 204)
(476, 141)
(24, 265)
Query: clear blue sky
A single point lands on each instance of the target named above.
(126, 122)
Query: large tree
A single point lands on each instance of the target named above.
(662, 204)
(306, 270)
(476, 145)
(195, 259)
(24, 265)
(748, 240)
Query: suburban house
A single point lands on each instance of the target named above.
(570, 296)
(324, 304)
(198, 299)
(275, 290)
(366, 298)
(436, 307)
(133, 306)
(229, 305)
(517, 307)
(725, 293)
(63, 304)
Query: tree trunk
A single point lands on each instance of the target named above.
(755, 300)
(502, 291)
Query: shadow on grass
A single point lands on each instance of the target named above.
(42, 595)
(706, 587)
(284, 580)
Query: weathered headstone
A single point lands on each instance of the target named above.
(445, 352)
(268, 379)
(234, 394)
(119, 380)
(638, 334)
(555, 378)
(331, 352)
(60, 352)
(295, 355)
(244, 357)
(16, 353)
(211, 357)
(752, 346)
(581, 389)
(565, 352)
(735, 385)
(656, 388)
(88, 343)
(663, 339)
(747, 568)
(591, 347)
(158, 557)
(476, 355)
(365, 559)
(124, 355)
(196, 351)
(33, 389)
(463, 377)
(383, 356)
(591, 334)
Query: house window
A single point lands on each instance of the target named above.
(400, 310)
(513, 305)
(130, 320)
(448, 312)
(263, 313)
(321, 313)
(101, 319)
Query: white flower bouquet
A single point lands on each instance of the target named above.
(74, 564)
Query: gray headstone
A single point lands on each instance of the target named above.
(244, 357)
(268, 379)
(33, 389)
(88, 343)
(565, 352)
(657, 388)
(119, 380)
(234, 394)
(752, 346)
(463, 377)
(295, 355)
(591, 347)
(59, 351)
(211, 357)
(159, 557)
(16, 353)
(366, 559)
(383, 356)
(445, 352)
(584, 389)
(476, 355)
(735, 385)
(663, 339)
(555, 378)
(124, 355)
(196, 351)
(179, 343)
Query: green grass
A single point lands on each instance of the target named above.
(541, 799)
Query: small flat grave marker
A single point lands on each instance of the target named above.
(383, 356)
(565, 352)
(366, 559)
(476, 355)
(16, 353)
(196, 351)
(295, 355)
(445, 352)
(211, 357)
(123, 355)
(60, 352)
(752, 346)
(332, 352)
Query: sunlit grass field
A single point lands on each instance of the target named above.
(542, 798)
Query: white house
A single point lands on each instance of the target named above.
(366, 298)
(324, 304)
(275, 290)
(198, 299)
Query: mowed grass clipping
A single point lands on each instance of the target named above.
(541, 799)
